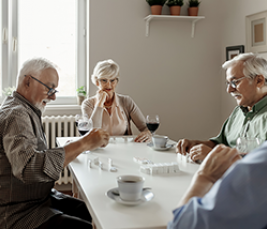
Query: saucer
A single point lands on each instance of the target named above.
(168, 146)
(146, 196)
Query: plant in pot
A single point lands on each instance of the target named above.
(8, 90)
(193, 7)
(175, 6)
(81, 94)
(156, 6)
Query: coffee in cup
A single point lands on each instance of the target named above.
(130, 187)
(159, 141)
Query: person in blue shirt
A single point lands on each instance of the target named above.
(226, 192)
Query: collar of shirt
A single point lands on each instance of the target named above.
(22, 99)
(256, 108)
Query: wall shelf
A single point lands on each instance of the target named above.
(170, 17)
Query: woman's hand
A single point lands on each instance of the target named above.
(144, 136)
(101, 97)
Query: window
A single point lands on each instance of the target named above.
(54, 29)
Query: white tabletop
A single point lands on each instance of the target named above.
(94, 182)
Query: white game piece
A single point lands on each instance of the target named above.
(96, 160)
(100, 165)
(89, 163)
(113, 169)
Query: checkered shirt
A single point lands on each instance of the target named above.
(28, 169)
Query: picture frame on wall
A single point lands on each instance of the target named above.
(256, 29)
(232, 51)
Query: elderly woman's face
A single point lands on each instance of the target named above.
(107, 85)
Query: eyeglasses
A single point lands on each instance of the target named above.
(105, 81)
(51, 91)
(233, 83)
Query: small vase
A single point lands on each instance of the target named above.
(156, 9)
(80, 99)
(192, 11)
(175, 10)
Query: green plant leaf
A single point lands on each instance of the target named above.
(81, 90)
(8, 90)
(156, 2)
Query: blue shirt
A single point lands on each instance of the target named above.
(236, 201)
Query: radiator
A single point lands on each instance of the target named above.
(59, 126)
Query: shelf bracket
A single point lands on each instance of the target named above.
(193, 29)
(147, 26)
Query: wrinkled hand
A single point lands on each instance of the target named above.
(144, 136)
(217, 162)
(96, 138)
(101, 97)
(199, 152)
(184, 146)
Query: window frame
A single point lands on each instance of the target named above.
(9, 30)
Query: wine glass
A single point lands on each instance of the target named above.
(77, 118)
(84, 126)
(245, 144)
(152, 123)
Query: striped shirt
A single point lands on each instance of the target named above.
(28, 169)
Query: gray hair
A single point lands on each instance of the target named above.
(34, 67)
(105, 69)
(253, 64)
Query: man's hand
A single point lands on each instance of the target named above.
(217, 162)
(144, 136)
(95, 138)
(211, 169)
(199, 152)
(184, 146)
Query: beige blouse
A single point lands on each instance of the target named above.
(123, 111)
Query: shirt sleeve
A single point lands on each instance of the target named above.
(221, 138)
(237, 201)
(136, 115)
(26, 150)
(95, 113)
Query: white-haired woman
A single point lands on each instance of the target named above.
(111, 111)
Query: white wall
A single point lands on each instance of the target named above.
(234, 33)
(169, 72)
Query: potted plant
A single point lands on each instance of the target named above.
(193, 7)
(81, 94)
(175, 6)
(156, 6)
(8, 90)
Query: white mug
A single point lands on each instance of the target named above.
(159, 141)
(130, 187)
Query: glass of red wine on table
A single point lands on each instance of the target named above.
(84, 125)
(152, 123)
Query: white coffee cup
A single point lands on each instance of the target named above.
(130, 187)
(159, 141)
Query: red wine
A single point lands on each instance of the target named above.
(152, 126)
(83, 132)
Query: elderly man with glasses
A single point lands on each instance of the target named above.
(246, 76)
(28, 169)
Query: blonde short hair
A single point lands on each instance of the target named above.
(107, 69)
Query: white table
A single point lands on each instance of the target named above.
(94, 182)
